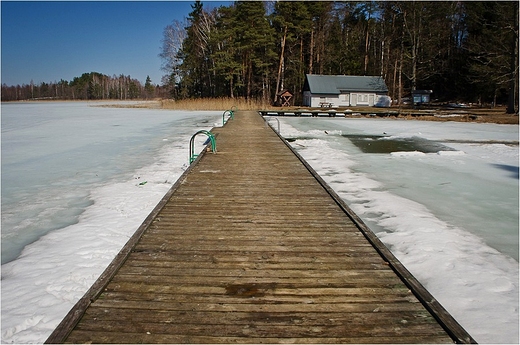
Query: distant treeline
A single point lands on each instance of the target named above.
(89, 86)
(462, 50)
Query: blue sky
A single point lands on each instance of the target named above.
(46, 41)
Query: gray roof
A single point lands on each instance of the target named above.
(336, 84)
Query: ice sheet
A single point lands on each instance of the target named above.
(53, 153)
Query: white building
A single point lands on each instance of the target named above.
(344, 91)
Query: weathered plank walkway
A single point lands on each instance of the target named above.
(250, 247)
(330, 112)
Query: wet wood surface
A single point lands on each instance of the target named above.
(248, 247)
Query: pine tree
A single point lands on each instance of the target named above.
(255, 45)
(225, 55)
(149, 89)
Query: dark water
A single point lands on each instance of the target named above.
(386, 144)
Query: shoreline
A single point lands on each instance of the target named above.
(442, 113)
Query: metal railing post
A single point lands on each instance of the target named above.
(211, 139)
(231, 115)
(267, 118)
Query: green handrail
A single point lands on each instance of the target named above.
(231, 113)
(211, 138)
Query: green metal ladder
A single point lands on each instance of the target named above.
(231, 114)
(211, 138)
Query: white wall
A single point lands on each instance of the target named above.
(342, 100)
(362, 99)
(316, 100)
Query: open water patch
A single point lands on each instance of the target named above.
(388, 144)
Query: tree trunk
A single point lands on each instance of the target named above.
(511, 97)
(311, 57)
(366, 50)
(249, 78)
(400, 95)
(394, 79)
(280, 64)
(231, 86)
(382, 74)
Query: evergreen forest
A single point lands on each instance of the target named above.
(89, 86)
(465, 51)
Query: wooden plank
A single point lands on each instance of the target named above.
(251, 246)
(420, 317)
(259, 331)
(286, 281)
(148, 338)
(281, 289)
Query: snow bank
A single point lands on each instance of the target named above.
(65, 263)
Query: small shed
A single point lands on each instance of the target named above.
(343, 90)
(284, 98)
(421, 96)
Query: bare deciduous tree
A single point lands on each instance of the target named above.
(173, 38)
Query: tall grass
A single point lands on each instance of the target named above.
(211, 104)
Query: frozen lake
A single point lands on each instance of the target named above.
(442, 196)
(466, 174)
(53, 154)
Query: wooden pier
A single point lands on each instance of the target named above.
(251, 246)
(375, 112)
(330, 112)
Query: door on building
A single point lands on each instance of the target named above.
(370, 100)
(353, 99)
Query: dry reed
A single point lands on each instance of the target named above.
(211, 104)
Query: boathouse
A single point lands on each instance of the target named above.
(343, 90)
